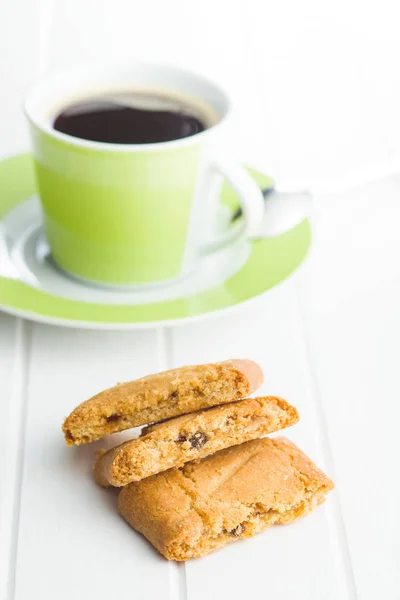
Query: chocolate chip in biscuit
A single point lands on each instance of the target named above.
(237, 531)
(198, 439)
(113, 418)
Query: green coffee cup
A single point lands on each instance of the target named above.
(135, 214)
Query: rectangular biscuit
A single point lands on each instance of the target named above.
(159, 397)
(177, 441)
(233, 494)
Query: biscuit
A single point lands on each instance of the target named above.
(161, 396)
(177, 441)
(231, 495)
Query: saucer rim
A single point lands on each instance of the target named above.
(162, 324)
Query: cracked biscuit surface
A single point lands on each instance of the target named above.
(177, 441)
(159, 397)
(231, 495)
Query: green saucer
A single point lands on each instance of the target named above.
(268, 262)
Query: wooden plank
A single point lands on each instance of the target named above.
(353, 331)
(17, 69)
(72, 542)
(13, 364)
(359, 385)
(303, 560)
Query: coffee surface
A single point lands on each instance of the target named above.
(131, 118)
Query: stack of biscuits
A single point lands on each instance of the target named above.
(201, 474)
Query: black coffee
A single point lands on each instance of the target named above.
(131, 118)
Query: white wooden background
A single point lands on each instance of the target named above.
(318, 94)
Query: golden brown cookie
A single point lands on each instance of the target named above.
(161, 396)
(177, 441)
(230, 495)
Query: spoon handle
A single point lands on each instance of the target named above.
(238, 213)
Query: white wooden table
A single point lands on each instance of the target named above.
(328, 339)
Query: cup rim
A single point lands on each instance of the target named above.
(46, 127)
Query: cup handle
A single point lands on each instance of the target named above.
(265, 213)
(251, 201)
